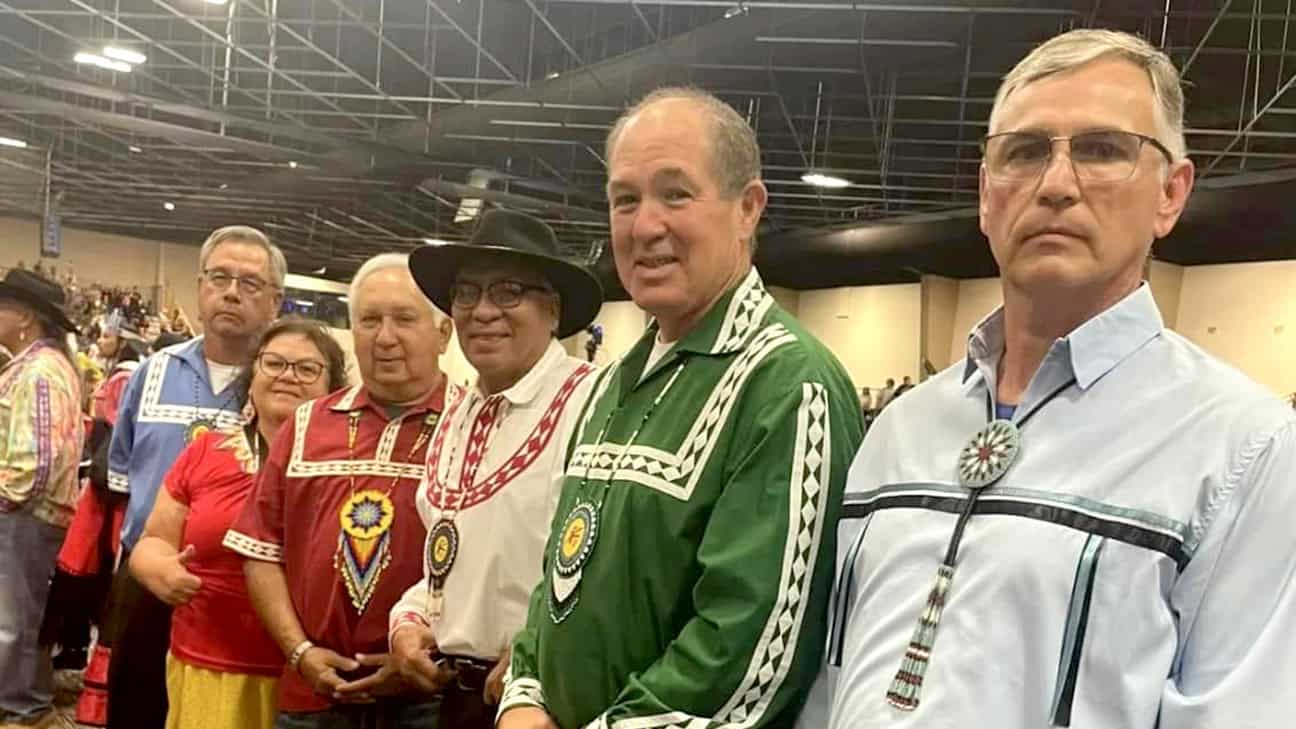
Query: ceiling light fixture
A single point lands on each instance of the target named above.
(216, 2)
(135, 149)
(11, 142)
(739, 9)
(436, 242)
(292, 164)
(95, 59)
(821, 180)
(551, 75)
(125, 55)
(169, 205)
(224, 185)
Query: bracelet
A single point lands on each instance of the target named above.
(294, 658)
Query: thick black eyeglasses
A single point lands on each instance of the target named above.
(274, 366)
(505, 294)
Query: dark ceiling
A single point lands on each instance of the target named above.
(351, 127)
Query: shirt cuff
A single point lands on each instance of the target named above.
(252, 548)
(117, 483)
(402, 619)
(520, 692)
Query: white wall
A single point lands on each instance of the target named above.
(1166, 282)
(873, 330)
(115, 260)
(789, 299)
(111, 259)
(939, 309)
(1245, 314)
(178, 275)
(977, 297)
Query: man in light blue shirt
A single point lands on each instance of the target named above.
(172, 397)
(1088, 522)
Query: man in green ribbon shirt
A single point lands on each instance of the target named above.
(687, 573)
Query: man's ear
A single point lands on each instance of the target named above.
(447, 330)
(1175, 190)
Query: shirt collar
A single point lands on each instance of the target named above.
(1092, 350)
(729, 324)
(191, 353)
(31, 349)
(732, 321)
(357, 397)
(525, 390)
(727, 327)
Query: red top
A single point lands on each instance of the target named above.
(217, 629)
(294, 519)
(107, 399)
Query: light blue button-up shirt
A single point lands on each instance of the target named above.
(1134, 569)
(165, 396)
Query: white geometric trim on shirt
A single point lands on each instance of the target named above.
(380, 465)
(252, 548)
(519, 692)
(746, 309)
(677, 474)
(528, 450)
(776, 648)
(153, 410)
(118, 482)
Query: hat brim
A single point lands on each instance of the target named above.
(434, 269)
(39, 304)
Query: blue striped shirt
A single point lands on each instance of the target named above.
(1134, 568)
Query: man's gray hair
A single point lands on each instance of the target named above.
(382, 262)
(1080, 47)
(735, 155)
(246, 234)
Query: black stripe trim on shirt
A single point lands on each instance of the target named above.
(1073, 638)
(1052, 513)
(842, 600)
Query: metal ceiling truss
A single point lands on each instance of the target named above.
(348, 127)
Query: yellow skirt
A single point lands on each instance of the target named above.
(204, 699)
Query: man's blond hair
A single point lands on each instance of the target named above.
(1077, 48)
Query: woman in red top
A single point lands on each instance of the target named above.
(223, 667)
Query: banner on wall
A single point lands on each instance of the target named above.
(52, 236)
(52, 229)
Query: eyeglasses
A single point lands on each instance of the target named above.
(250, 285)
(1101, 156)
(272, 365)
(504, 294)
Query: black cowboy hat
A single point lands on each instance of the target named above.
(39, 293)
(508, 234)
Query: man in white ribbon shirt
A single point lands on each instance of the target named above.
(1087, 522)
(496, 459)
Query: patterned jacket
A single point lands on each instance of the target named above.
(40, 417)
